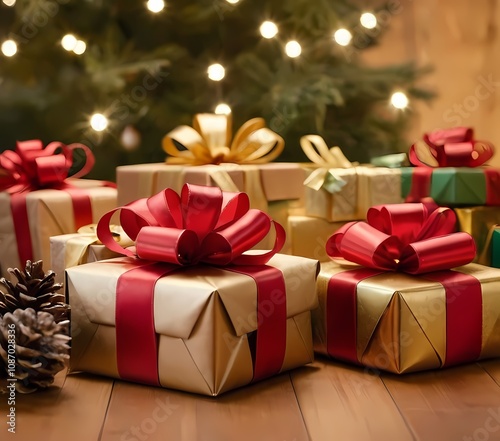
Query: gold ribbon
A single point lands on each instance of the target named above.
(328, 159)
(76, 249)
(209, 142)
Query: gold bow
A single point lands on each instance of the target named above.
(316, 149)
(209, 142)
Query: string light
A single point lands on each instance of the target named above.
(233, 2)
(293, 49)
(9, 48)
(368, 20)
(80, 47)
(399, 100)
(9, 2)
(155, 6)
(222, 109)
(268, 29)
(342, 37)
(68, 42)
(216, 72)
(98, 122)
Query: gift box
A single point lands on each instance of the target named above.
(478, 221)
(211, 158)
(402, 323)
(40, 201)
(452, 186)
(495, 247)
(391, 302)
(211, 316)
(308, 235)
(351, 191)
(68, 250)
(449, 168)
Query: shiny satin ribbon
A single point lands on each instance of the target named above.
(31, 167)
(454, 147)
(463, 314)
(203, 224)
(403, 237)
(209, 142)
(328, 159)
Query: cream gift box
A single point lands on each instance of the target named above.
(205, 319)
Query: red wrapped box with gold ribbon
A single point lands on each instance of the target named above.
(40, 199)
(402, 308)
(188, 308)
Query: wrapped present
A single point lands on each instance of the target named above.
(68, 250)
(210, 156)
(39, 200)
(337, 190)
(398, 307)
(478, 221)
(211, 317)
(495, 247)
(308, 235)
(448, 170)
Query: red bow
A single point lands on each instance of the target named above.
(404, 237)
(31, 167)
(454, 147)
(204, 224)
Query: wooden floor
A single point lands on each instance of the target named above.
(324, 401)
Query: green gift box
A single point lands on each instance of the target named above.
(495, 248)
(457, 186)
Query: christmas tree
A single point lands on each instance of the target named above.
(117, 75)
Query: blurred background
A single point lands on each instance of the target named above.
(369, 76)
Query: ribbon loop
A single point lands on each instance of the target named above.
(203, 224)
(209, 142)
(32, 167)
(454, 147)
(403, 237)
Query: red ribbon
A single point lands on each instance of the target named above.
(202, 225)
(31, 167)
(403, 237)
(455, 147)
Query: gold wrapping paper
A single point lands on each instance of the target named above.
(401, 319)
(68, 250)
(271, 187)
(364, 187)
(50, 213)
(307, 236)
(478, 221)
(202, 316)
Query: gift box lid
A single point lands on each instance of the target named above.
(181, 297)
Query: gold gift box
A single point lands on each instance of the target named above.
(50, 213)
(271, 187)
(478, 221)
(308, 236)
(401, 319)
(364, 187)
(203, 316)
(68, 250)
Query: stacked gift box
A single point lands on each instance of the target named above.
(336, 191)
(202, 238)
(450, 170)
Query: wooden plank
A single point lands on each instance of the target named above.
(73, 409)
(266, 411)
(453, 404)
(346, 403)
(492, 367)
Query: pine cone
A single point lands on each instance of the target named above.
(34, 289)
(42, 347)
